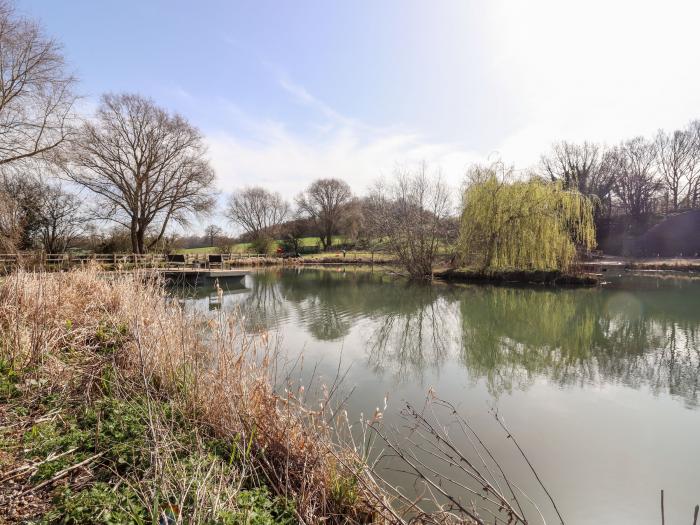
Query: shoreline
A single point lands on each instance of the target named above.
(551, 278)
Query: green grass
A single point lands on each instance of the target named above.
(118, 429)
(246, 247)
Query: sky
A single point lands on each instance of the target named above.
(289, 91)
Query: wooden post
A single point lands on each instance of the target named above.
(663, 517)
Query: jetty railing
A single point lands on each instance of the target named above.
(55, 261)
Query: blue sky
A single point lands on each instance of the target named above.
(289, 91)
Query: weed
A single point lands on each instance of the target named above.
(120, 430)
(98, 504)
(8, 381)
(257, 507)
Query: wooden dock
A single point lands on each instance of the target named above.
(201, 273)
(198, 263)
(175, 268)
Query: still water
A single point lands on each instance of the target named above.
(600, 386)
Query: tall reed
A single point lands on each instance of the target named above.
(68, 328)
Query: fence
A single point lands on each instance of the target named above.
(128, 260)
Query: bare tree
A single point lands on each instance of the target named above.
(351, 221)
(578, 167)
(37, 214)
(36, 91)
(325, 202)
(636, 185)
(147, 167)
(61, 219)
(212, 232)
(292, 233)
(259, 212)
(676, 161)
(22, 193)
(410, 212)
(366, 227)
(36, 99)
(693, 194)
(10, 223)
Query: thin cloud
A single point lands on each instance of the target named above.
(286, 162)
(272, 154)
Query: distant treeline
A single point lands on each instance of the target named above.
(130, 175)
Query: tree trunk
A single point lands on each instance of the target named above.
(140, 245)
(134, 237)
(675, 199)
(490, 252)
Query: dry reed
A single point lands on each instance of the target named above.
(58, 325)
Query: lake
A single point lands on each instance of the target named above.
(599, 386)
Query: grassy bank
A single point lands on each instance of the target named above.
(674, 265)
(553, 277)
(118, 407)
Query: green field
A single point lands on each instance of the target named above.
(246, 247)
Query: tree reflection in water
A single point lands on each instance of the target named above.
(323, 300)
(418, 333)
(412, 323)
(513, 335)
(506, 336)
(264, 308)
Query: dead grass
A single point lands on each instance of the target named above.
(677, 264)
(72, 332)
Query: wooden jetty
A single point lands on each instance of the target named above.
(117, 261)
(200, 274)
(185, 268)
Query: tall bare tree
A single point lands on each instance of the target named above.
(693, 196)
(324, 202)
(213, 232)
(36, 100)
(259, 212)
(676, 161)
(579, 167)
(147, 167)
(411, 212)
(636, 185)
(36, 90)
(61, 219)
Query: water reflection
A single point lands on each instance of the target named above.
(573, 337)
(507, 337)
(595, 382)
(264, 308)
(206, 295)
(418, 334)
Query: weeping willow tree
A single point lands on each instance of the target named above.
(524, 225)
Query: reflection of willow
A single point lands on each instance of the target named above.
(510, 335)
(415, 333)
